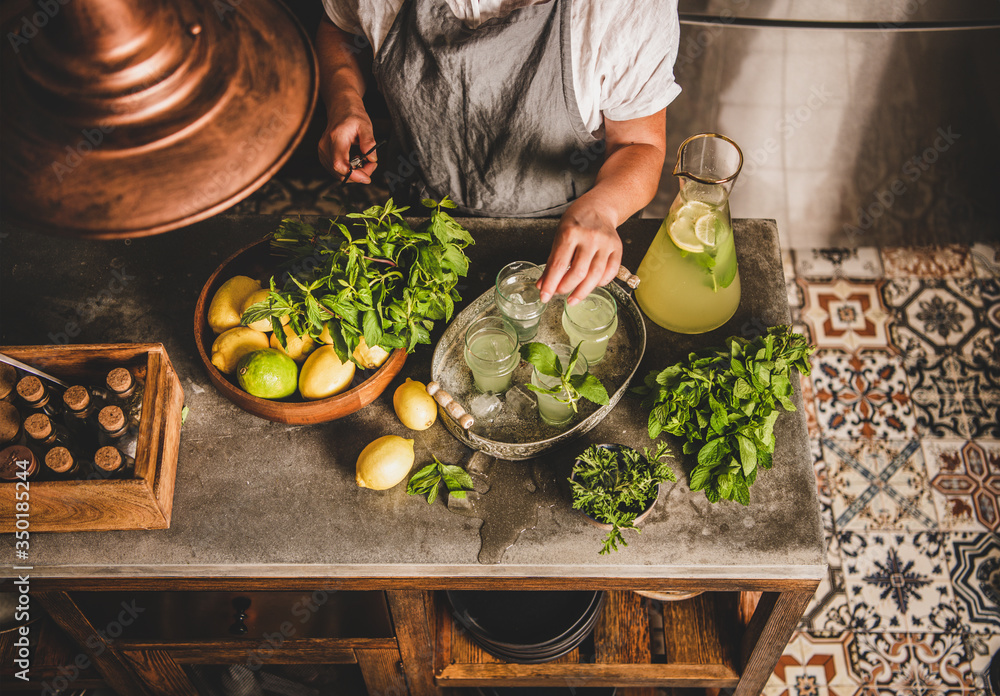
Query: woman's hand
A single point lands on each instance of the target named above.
(348, 125)
(586, 252)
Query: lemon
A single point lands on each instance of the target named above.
(325, 336)
(683, 235)
(415, 408)
(227, 304)
(384, 462)
(267, 373)
(324, 375)
(369, 357)
(252, 299)
(233, 344)
(694, 210)
(299, 347)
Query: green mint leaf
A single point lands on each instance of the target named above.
(543, 358)
(590, 388)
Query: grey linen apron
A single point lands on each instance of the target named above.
(488, 115)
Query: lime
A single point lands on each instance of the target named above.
(708, 229)
(267, 373)
(682, 232)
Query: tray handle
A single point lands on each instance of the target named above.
(626, 276)
(449, 404)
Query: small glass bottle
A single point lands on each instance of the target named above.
(117, 431)
(37, 398)
(8, 382)
(109, 462)
(60, 464)
(125, 390)
(80, 416)
(43, 434)
(18, 463)
(11, 432)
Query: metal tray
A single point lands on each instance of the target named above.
(510, 435)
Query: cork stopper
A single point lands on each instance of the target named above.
(59, 460)
(30, 388)
(12, 459)
(10, 422)
(108, 458)
(76, 398)
(119, 380)
(38, 426)
(111, 418)
(8, 380)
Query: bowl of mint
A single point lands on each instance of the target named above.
(616, 487)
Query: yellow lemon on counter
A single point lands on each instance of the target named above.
(384, 462)
(323, 374)
(252, 299)
(227, 305)
(267, 373)
(299, 347)
(369, 357)
(233, 344)
(414, 407)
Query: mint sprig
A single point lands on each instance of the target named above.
(427, 481)
(571, 387)
(379, 279)
(724, 402)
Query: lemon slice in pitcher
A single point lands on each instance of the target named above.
(683, 234)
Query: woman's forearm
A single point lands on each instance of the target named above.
(340, 76)
(627, 181)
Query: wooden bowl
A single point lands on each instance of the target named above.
(255, 261)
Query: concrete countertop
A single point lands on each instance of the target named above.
(258, 499)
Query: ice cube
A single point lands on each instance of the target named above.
(520, 403)
(485, 407)
(464, 503)
(517, 299)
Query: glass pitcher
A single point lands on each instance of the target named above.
(690, 281)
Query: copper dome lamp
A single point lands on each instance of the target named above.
(125, 118)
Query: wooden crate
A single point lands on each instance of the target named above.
(143, 502)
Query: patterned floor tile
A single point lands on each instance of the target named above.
(931, 318)
(878, 485)
(952, 261)
(986, 260)
(898, 582)
(859, 263)
(828, 613)
(975, 578)
(816, 666)
(989, 290)
(965, 483)
(913, 664)
(979, 650)
(952, 396)
(861, 396)
(845, 315)
(809, 406)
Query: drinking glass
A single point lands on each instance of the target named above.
(552, 410)
(491, 353)
(517, 298)
(594, 321)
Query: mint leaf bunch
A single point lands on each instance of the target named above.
(724, 402)
(427, 481)
(613, 486)
(378, 279)
(571, 387)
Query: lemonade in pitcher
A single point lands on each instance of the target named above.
(690, 279)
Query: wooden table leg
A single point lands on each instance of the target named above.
(766, 636)
(413, 618)
(102, 653)
(382, 671)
